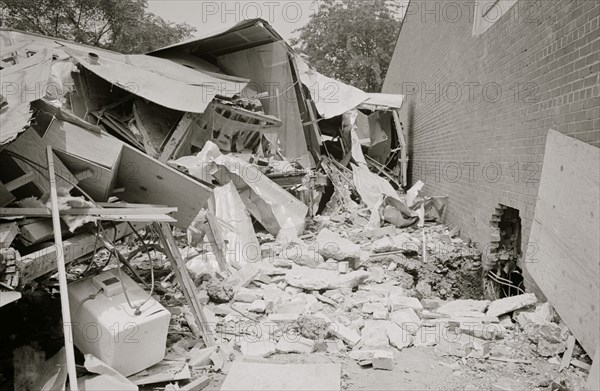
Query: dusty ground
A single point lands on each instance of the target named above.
(447, 274)
(420, 368)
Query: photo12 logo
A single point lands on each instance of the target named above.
(271, 11)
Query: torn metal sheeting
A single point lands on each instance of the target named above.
(189, 90)
(381, 101)
(243, 35)
(276, 209)
(331, 97)
(22, 84)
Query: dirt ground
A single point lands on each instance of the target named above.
(420, 368)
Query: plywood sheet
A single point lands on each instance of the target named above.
(593, 380)
(564, 252)
(148, 181)
(249, 376)
(6, 196)
(30, 146)
(100, 184)
(99, 148)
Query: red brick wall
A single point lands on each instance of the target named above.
(478, 109)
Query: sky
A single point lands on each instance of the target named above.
(209, 15)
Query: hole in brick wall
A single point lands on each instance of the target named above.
(504, 277)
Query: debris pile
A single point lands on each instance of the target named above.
(186, 199)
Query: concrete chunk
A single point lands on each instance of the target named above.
(455, 345)
(427, 336)
(374, 334)
(401, 302)
(383, 359)
(344, 333)
(258, 306)
(257, 348)
(456, 306)
(245, 295)
(407, 319)
(332, 245)
(398, 337)
(316, 279)
(369, 308)
(299, 345)
(510, 304)
(484, 331)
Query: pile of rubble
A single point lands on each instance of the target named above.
(349, 303)
(293, 233)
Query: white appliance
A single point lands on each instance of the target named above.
(106, 326)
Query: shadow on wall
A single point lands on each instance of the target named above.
(409, 134)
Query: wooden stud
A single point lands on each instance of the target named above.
(566, 358)
(183, 277)
(177, 138)
(39, 263)
(218, 245)
(19, 182)
(62, 276)
(8, 232)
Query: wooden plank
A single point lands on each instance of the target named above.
(593, 380)
(197, 385)
(126, 205)
(164, 371)
(403, 146)
(269, 120)
(6, 196)
(41, 262)
(564, 252)
(146, 138)
(7, 297)
(36, 232)
(99, 148)
(65, 115)
(566, 358)
(249, 376)
(155, 123)
(147, 180)
(8, 231)
(30, 146)
(186, 284)
(178, 137)
(20, 181)
(102, 181)
(45, 212)
(62, 275)
(125, 134)
(213, 234)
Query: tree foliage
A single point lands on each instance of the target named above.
(120, 25)
(351, 40)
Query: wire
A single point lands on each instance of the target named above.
(493, 276)
(90, 297)
(38, 167)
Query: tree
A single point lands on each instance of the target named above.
(351, 40)
(119, 25)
